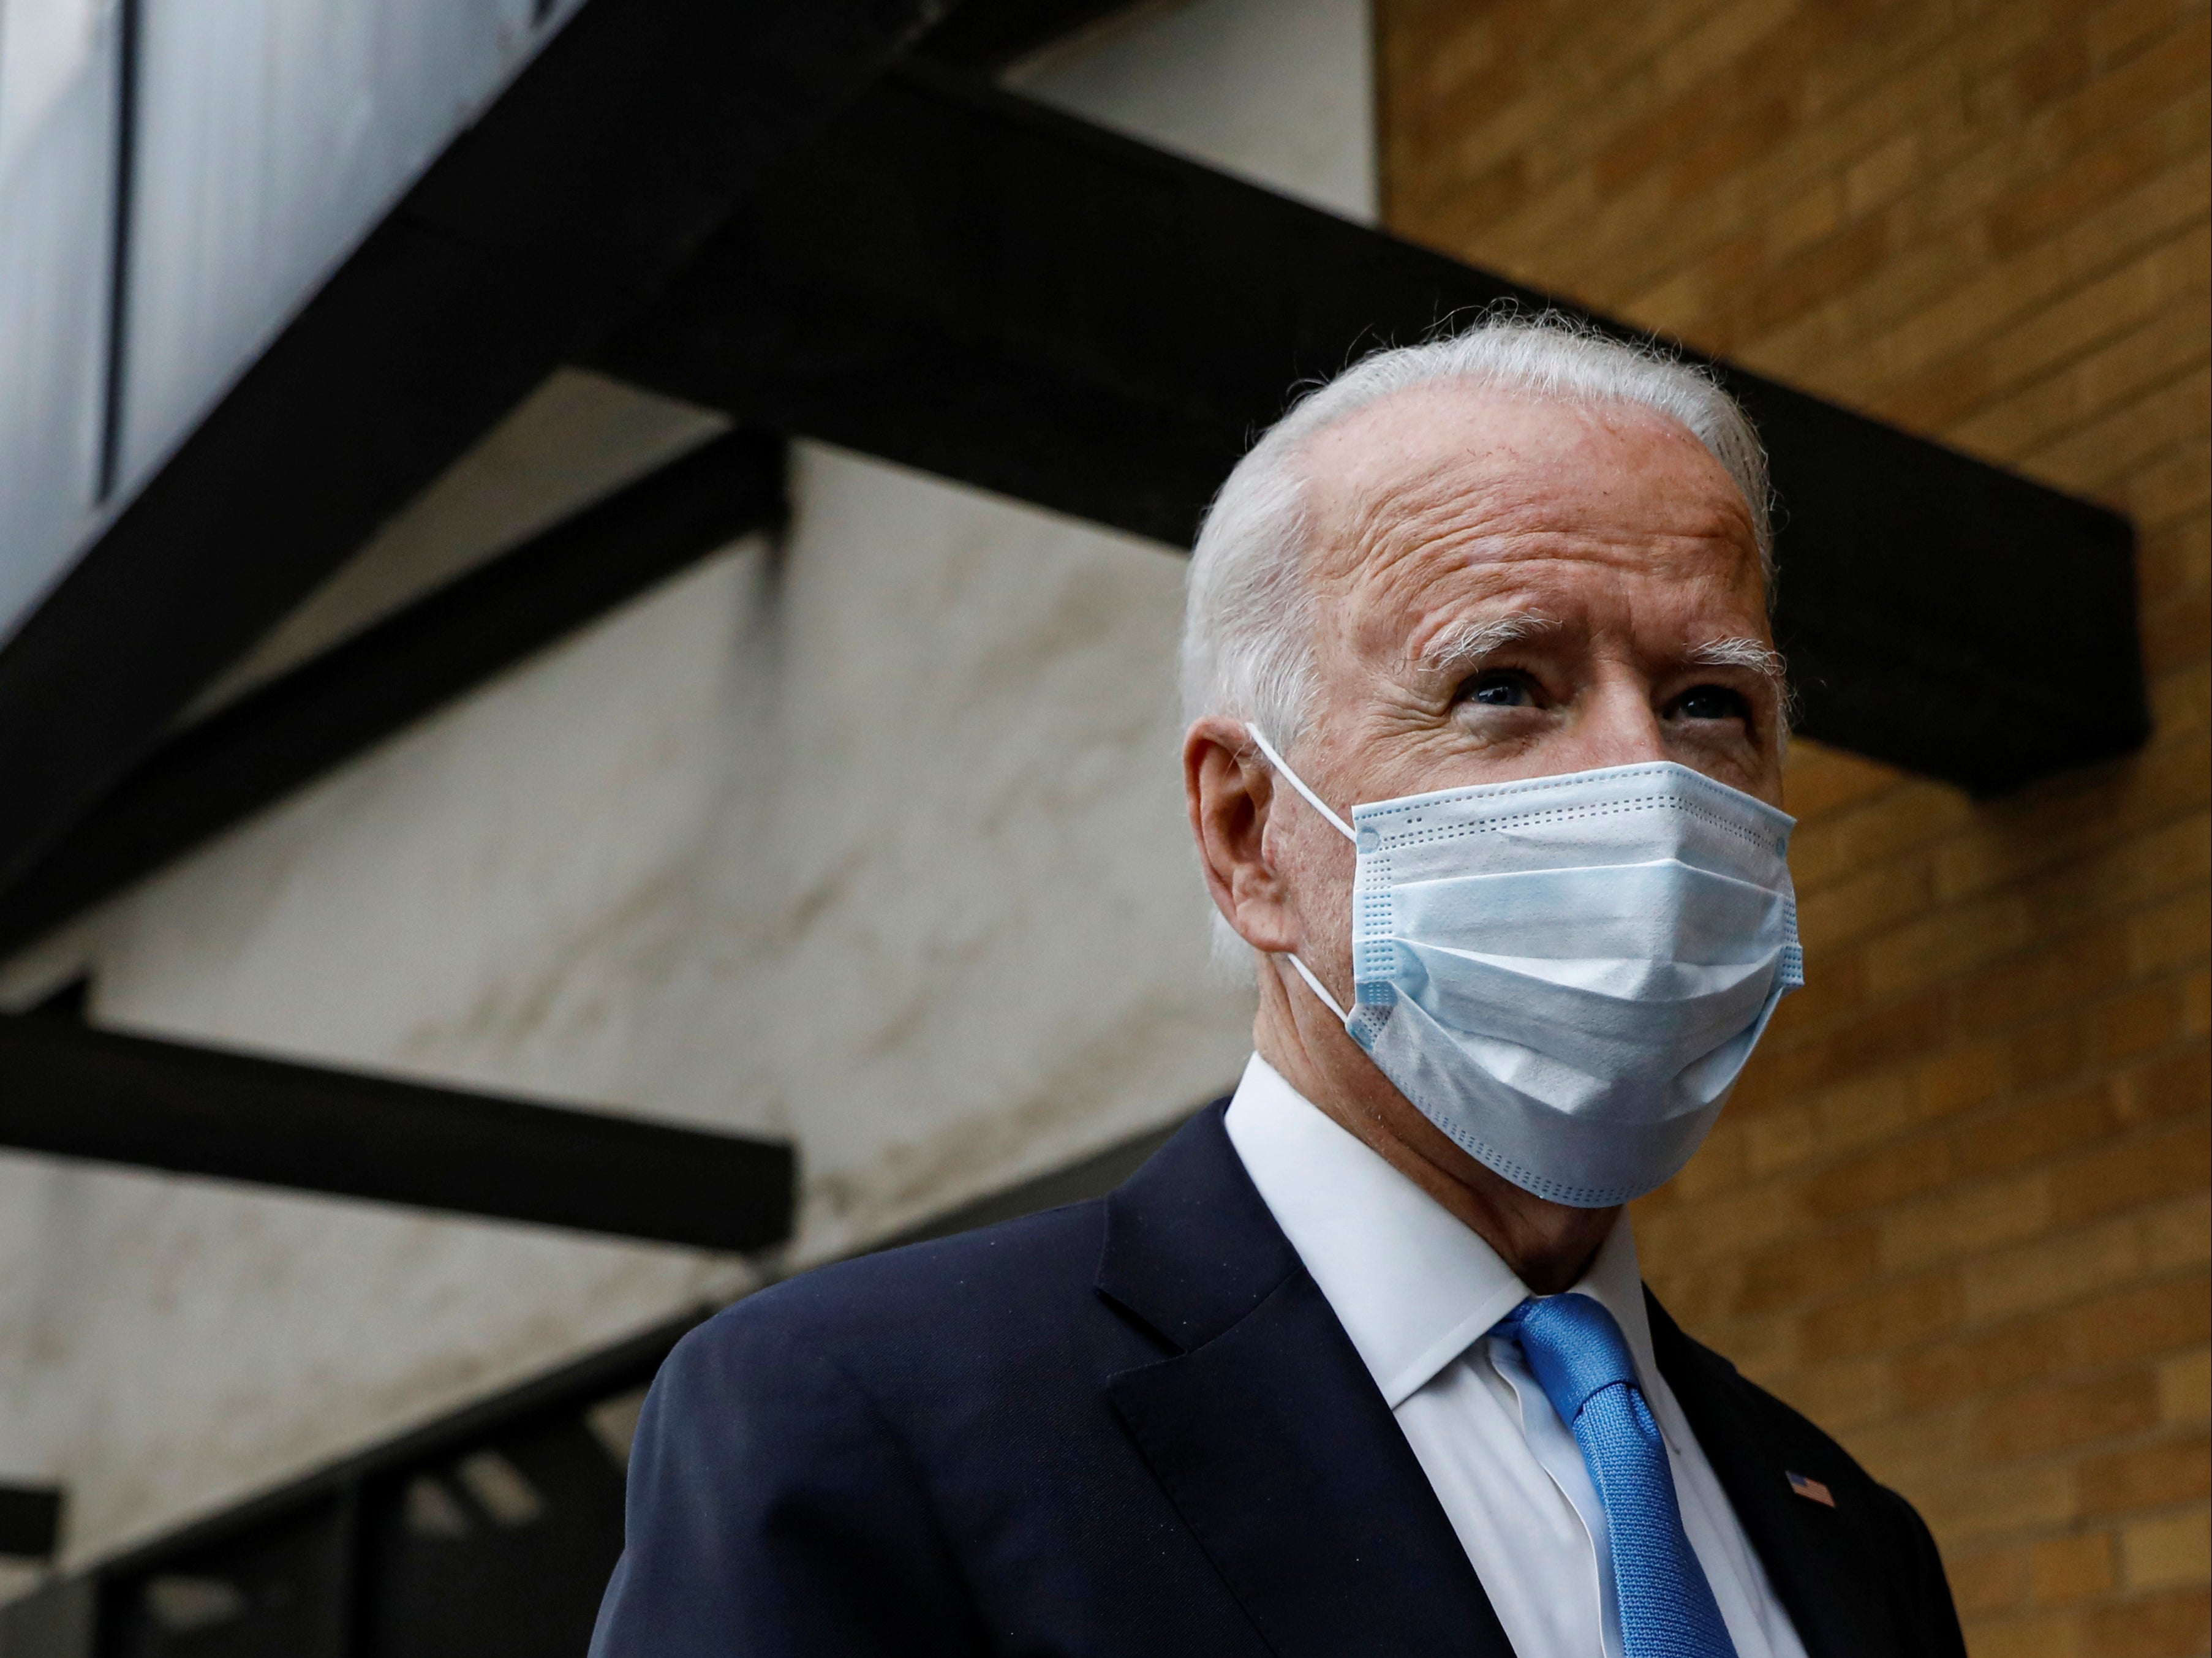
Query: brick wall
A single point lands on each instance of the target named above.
(1959, 1209)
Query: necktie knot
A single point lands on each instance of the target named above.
(1574, 1347)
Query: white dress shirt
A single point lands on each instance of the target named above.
(1417, 1291)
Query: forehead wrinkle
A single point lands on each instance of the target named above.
(1404, 515)
(1394, 521)
(1377, 533)
(1390, 538)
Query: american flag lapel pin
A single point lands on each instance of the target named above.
(1811, 1489)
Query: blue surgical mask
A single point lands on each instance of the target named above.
(1566, 974)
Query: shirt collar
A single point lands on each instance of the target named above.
(1413, 1285)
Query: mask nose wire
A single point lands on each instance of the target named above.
(1322, 806)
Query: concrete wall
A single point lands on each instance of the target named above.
(1958, 1209)
(874, 838)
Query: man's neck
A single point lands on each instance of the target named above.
(1548, 1245)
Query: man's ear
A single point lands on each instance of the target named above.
(1230, 790)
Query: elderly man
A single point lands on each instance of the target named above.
(1484, 767)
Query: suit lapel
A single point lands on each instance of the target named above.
(1815, 1556)
(1265, 1430)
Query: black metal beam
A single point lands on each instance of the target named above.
(285, 733)
(968, 282)
(590, 181)
(984, 35)
(68, 1091)
(30, 1521)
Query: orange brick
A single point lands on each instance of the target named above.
(2174, 933)
(2060, 67)
(1949, 1372)
(1964, 1078)
(2034, 1132)
(2040, 1635)
(2162, 78)
(2174, 627)
(1821, 780)
(2163, 1163)
(2138, 1322)
(1901, 1030)
(1813, 275)
(1863, 1112)
(1820, 1265)
(2051, 335)
(2094, 460)
(1869, 902)
(2148, 1477)
(2047, 1420)
(2065, 1269)
(2167, 489)
(1964, 1221)
(2162, 1626)
(1991, 1579)
(2109, 376)
(1904, 1451)
(2128, 870)
(2174, 1235)
(2172, 1550)
(1883, 1177)
(1972, 1503)
(1846, 1394)
(1896, 822)
(2047, 1051)
(2099, 174)
(2171, 1086)
(2048, 980)
(2185, 1388)
(2067, 1568)
(1882, 1320)
(2128, 1024)
(2173, 560)
(2117, 32)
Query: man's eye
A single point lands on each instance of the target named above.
(1710, 702)
(1507, 689)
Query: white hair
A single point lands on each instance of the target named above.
(1247, 621)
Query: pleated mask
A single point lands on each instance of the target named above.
(1566, 974)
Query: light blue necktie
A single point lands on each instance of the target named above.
(1576, 1350)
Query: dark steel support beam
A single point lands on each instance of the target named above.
(284, 734)
(981, 36)
(968, 282)
(591, 180)
(30, 1521)
(66, 1090)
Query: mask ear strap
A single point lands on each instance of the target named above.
(1322, 806)
(1317, 988)
(1299, 783)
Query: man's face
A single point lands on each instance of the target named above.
(1506, 587)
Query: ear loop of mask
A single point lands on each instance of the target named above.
(1322, 806)
(1299, 784)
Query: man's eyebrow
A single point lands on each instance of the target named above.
(1761, 659)
(1464, 644)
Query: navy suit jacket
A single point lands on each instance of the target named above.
(1133, 1426)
